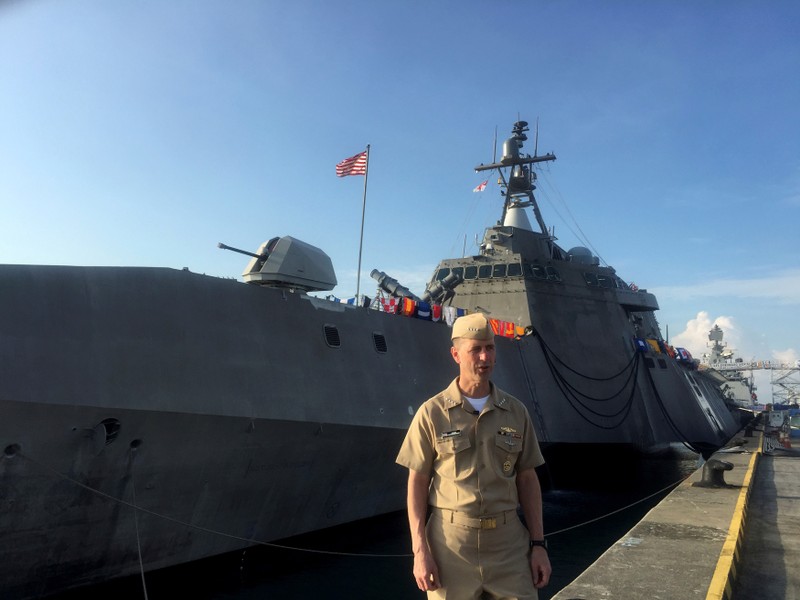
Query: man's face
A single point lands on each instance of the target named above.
(474, 357)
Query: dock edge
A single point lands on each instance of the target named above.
(721, 586)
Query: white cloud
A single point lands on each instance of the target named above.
(695, 337)
(765, 309)
(790, 356)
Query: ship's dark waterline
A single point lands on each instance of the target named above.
(271, 572)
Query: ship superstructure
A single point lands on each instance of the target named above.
(595, 367)
(729, 370)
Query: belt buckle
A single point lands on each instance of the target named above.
(488, 522)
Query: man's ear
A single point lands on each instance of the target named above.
(454, 354)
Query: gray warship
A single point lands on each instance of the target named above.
(156, 416)
(728, 371)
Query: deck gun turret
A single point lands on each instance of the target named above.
(288, 263)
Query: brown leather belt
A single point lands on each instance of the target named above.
(484, 522)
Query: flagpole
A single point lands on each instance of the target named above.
(361, 240)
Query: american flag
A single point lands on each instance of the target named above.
(355, 165)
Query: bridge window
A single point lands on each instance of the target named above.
(536, 271)
(552, 274)
(444, 272)
(591, 279)
(514, 270)
(605, 282)
(484, 271)
(499, 271)
(471, 272)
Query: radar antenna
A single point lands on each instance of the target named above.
(519, 183)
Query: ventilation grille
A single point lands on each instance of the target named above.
(380, 342)
(332, 336)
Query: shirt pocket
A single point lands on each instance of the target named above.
(507, 448)
(508, 444)
(453, 445)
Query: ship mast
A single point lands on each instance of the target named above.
(519, 185)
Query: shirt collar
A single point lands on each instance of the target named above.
(453, 397)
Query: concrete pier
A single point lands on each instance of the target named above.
(730, 534)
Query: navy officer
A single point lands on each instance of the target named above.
(471, 453)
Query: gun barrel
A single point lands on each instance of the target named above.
(253, 254)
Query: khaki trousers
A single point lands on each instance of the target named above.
(473, 562)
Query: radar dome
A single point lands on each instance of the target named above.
(581, 255)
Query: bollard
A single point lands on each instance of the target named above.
(713, 473)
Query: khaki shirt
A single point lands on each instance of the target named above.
(473, 459)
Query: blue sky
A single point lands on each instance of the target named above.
(144, 132)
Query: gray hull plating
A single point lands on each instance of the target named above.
(216, 403)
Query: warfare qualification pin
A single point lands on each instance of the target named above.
(507, 466)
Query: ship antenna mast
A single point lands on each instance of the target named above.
(519, 184)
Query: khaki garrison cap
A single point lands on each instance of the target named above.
(473, 327)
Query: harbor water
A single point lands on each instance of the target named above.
(371, 559)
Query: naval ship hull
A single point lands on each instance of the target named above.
(225, 412)
(180, 416)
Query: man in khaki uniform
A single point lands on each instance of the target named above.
(471, 452)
